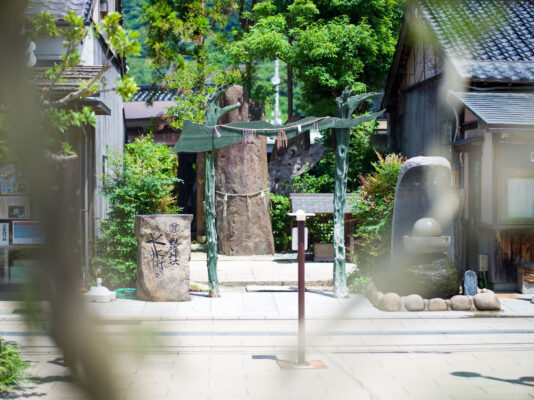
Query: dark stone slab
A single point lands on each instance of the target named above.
(423, 190)
(470, 283)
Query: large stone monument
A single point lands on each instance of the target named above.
(422, 230)
(241, 183)
(163, 253)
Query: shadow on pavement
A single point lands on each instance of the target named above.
(524, 380)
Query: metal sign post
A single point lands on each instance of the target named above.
(301, 218)
(302, 245)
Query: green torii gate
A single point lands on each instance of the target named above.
(210, 136)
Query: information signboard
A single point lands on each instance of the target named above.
(319, 203)
(520, 198)
(28, 232)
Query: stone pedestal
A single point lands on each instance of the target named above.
(163, 253)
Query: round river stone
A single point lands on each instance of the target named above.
(487, 302)
(437, 304)
(390, 302)
(414, 302)
(461, 303)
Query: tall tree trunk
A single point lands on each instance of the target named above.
(242, 203)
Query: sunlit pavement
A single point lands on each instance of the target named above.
(203, 354)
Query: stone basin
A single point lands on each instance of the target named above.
(426, 244)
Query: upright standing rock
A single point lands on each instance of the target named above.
(470, 283)
(242, 203)
(423, 190)
(163, 253)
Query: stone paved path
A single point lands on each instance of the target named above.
(226, 349)
(393, 358)
(281, 269)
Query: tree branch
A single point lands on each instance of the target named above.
(84, 91)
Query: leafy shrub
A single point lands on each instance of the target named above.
(11, 366)
(358, 282)
(281, 222)
(321, 228)
(140, 181)
(309, 183)
(320, 179)
(374, 212)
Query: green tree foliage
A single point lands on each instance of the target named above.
(183, 37)
(11, 366)
(374, 211)
(320, 179)
(141, 181)
(141, 67)
(359, 46)
(281, 222)
(328, 44)
(271, 36)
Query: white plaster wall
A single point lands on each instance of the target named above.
(88, 51)
(110, 130)
(49, 49)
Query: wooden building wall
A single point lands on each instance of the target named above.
(420, 118)
(511, 247)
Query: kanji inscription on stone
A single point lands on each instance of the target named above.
(163, 257)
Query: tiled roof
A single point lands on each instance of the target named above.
(496, 71)
(71, 79)
(501, 109)
(149, 93)
(59, 8)
(487, 40)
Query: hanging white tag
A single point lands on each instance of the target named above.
(299, 128)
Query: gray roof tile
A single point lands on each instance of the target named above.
(501, 109)
(487, 40)
(59, 8)
(149, 93)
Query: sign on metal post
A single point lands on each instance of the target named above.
(301, 362)
(295, 239)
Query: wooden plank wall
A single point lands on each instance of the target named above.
(511, 248)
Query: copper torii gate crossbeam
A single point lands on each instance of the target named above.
(210, 136)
